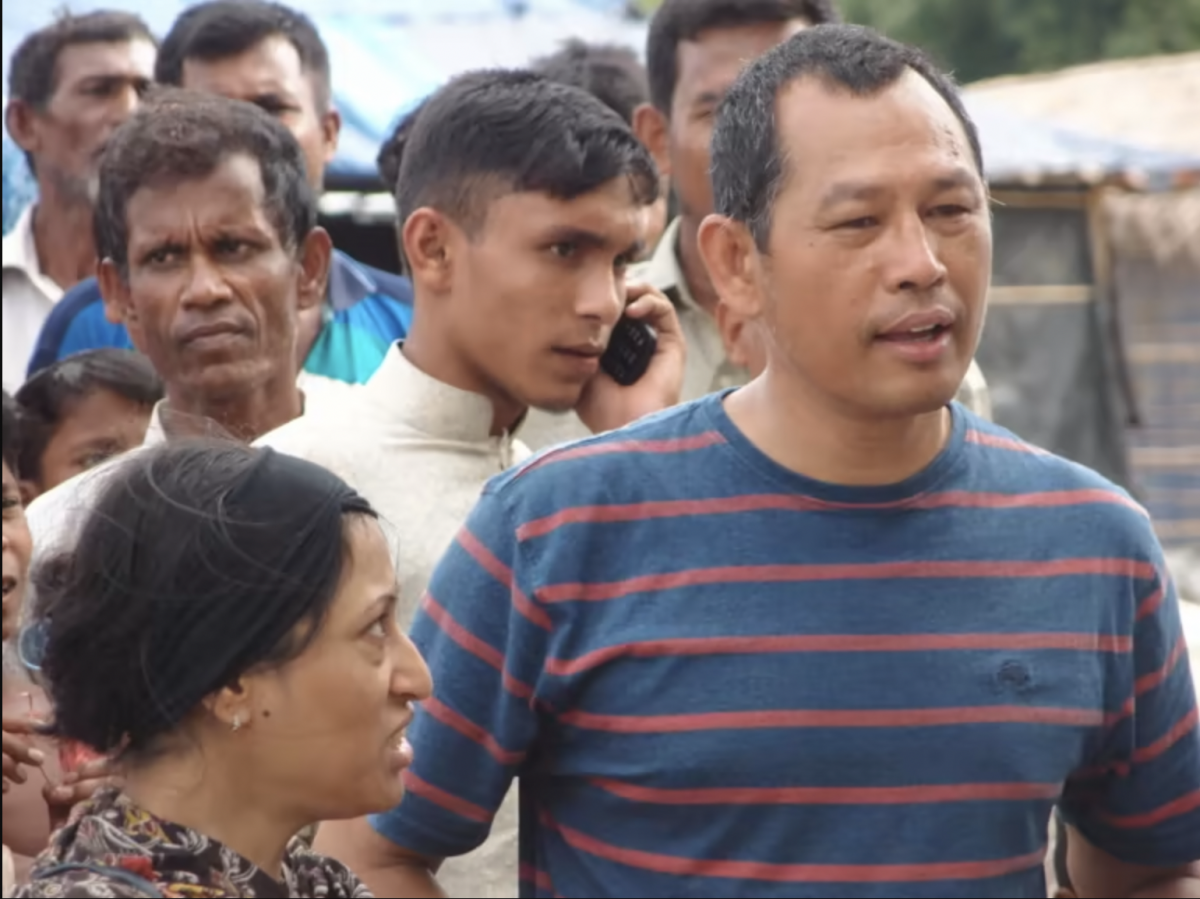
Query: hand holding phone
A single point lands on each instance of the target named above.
(641, 372)
(630, 350)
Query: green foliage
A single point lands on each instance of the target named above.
(981, 38)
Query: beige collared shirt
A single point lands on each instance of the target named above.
(420, 451)
(708, 370)
(29, 295)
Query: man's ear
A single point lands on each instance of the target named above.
(114, 288)
(731, 258)
(18, 119)
(315, 258)
(331, 129)
(428, 239)
(653, 129)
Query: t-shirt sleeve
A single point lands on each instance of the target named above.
(484, 639)
(1140, 799)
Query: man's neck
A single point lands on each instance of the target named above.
(811, 437)
(63, 239)
(244, 417)
(692, 265)
(426, 348)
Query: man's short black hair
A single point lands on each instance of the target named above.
(677, 21)
(179, 135)
(611, 73)
(46, 399)
(33, 72)
(748, 163)
(490, 133)
(221, 29)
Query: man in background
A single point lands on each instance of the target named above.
(272, 56)
(71, 85)
(616, 77)
(207, 226)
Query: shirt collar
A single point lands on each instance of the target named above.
(664, 272)
(20, 253)
(403, 393)
(155, 433)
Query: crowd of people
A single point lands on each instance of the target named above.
(321, 580)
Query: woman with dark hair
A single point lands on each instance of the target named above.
(225, 628)
(82, 411)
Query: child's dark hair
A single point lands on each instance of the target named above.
(12, 436)
(51, 394)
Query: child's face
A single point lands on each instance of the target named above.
(101, 425)
(18, 547)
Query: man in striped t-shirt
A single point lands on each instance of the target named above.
(830, 634)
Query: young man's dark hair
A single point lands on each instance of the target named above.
(748, 165)
(33, 71)
(470, 145)
(611, 73)
(225, 28)
(682, 20)
(184, 134)
(48, 399)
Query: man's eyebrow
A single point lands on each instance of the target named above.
(708, 98)
(960, 177)
(848, 191)
(581, 236)
(845, 191)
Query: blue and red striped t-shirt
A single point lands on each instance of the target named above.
(715, 677)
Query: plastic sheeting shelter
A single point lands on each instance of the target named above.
(386, 55)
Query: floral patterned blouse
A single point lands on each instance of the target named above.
(111, 832)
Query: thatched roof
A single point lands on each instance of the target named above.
(1164, 227)
(1152, 101)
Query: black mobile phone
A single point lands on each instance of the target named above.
(630, 350)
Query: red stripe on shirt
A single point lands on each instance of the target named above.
(1149, 752)
(501, 572)
(1148, 682)
(540, 879)
(801, 718)
(1017, 446)
(471, 731)
(447, 801)
(472, 644)
(740, 574)
(733, 505)
(673, 445)
(1082, 642)
(1151, 603)
(777, 873)
(928, 794)
(1188, 802)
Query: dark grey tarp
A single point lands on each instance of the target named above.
(1052, 365)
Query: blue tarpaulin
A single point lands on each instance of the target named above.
(387, 55)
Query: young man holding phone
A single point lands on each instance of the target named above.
(520, 202)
